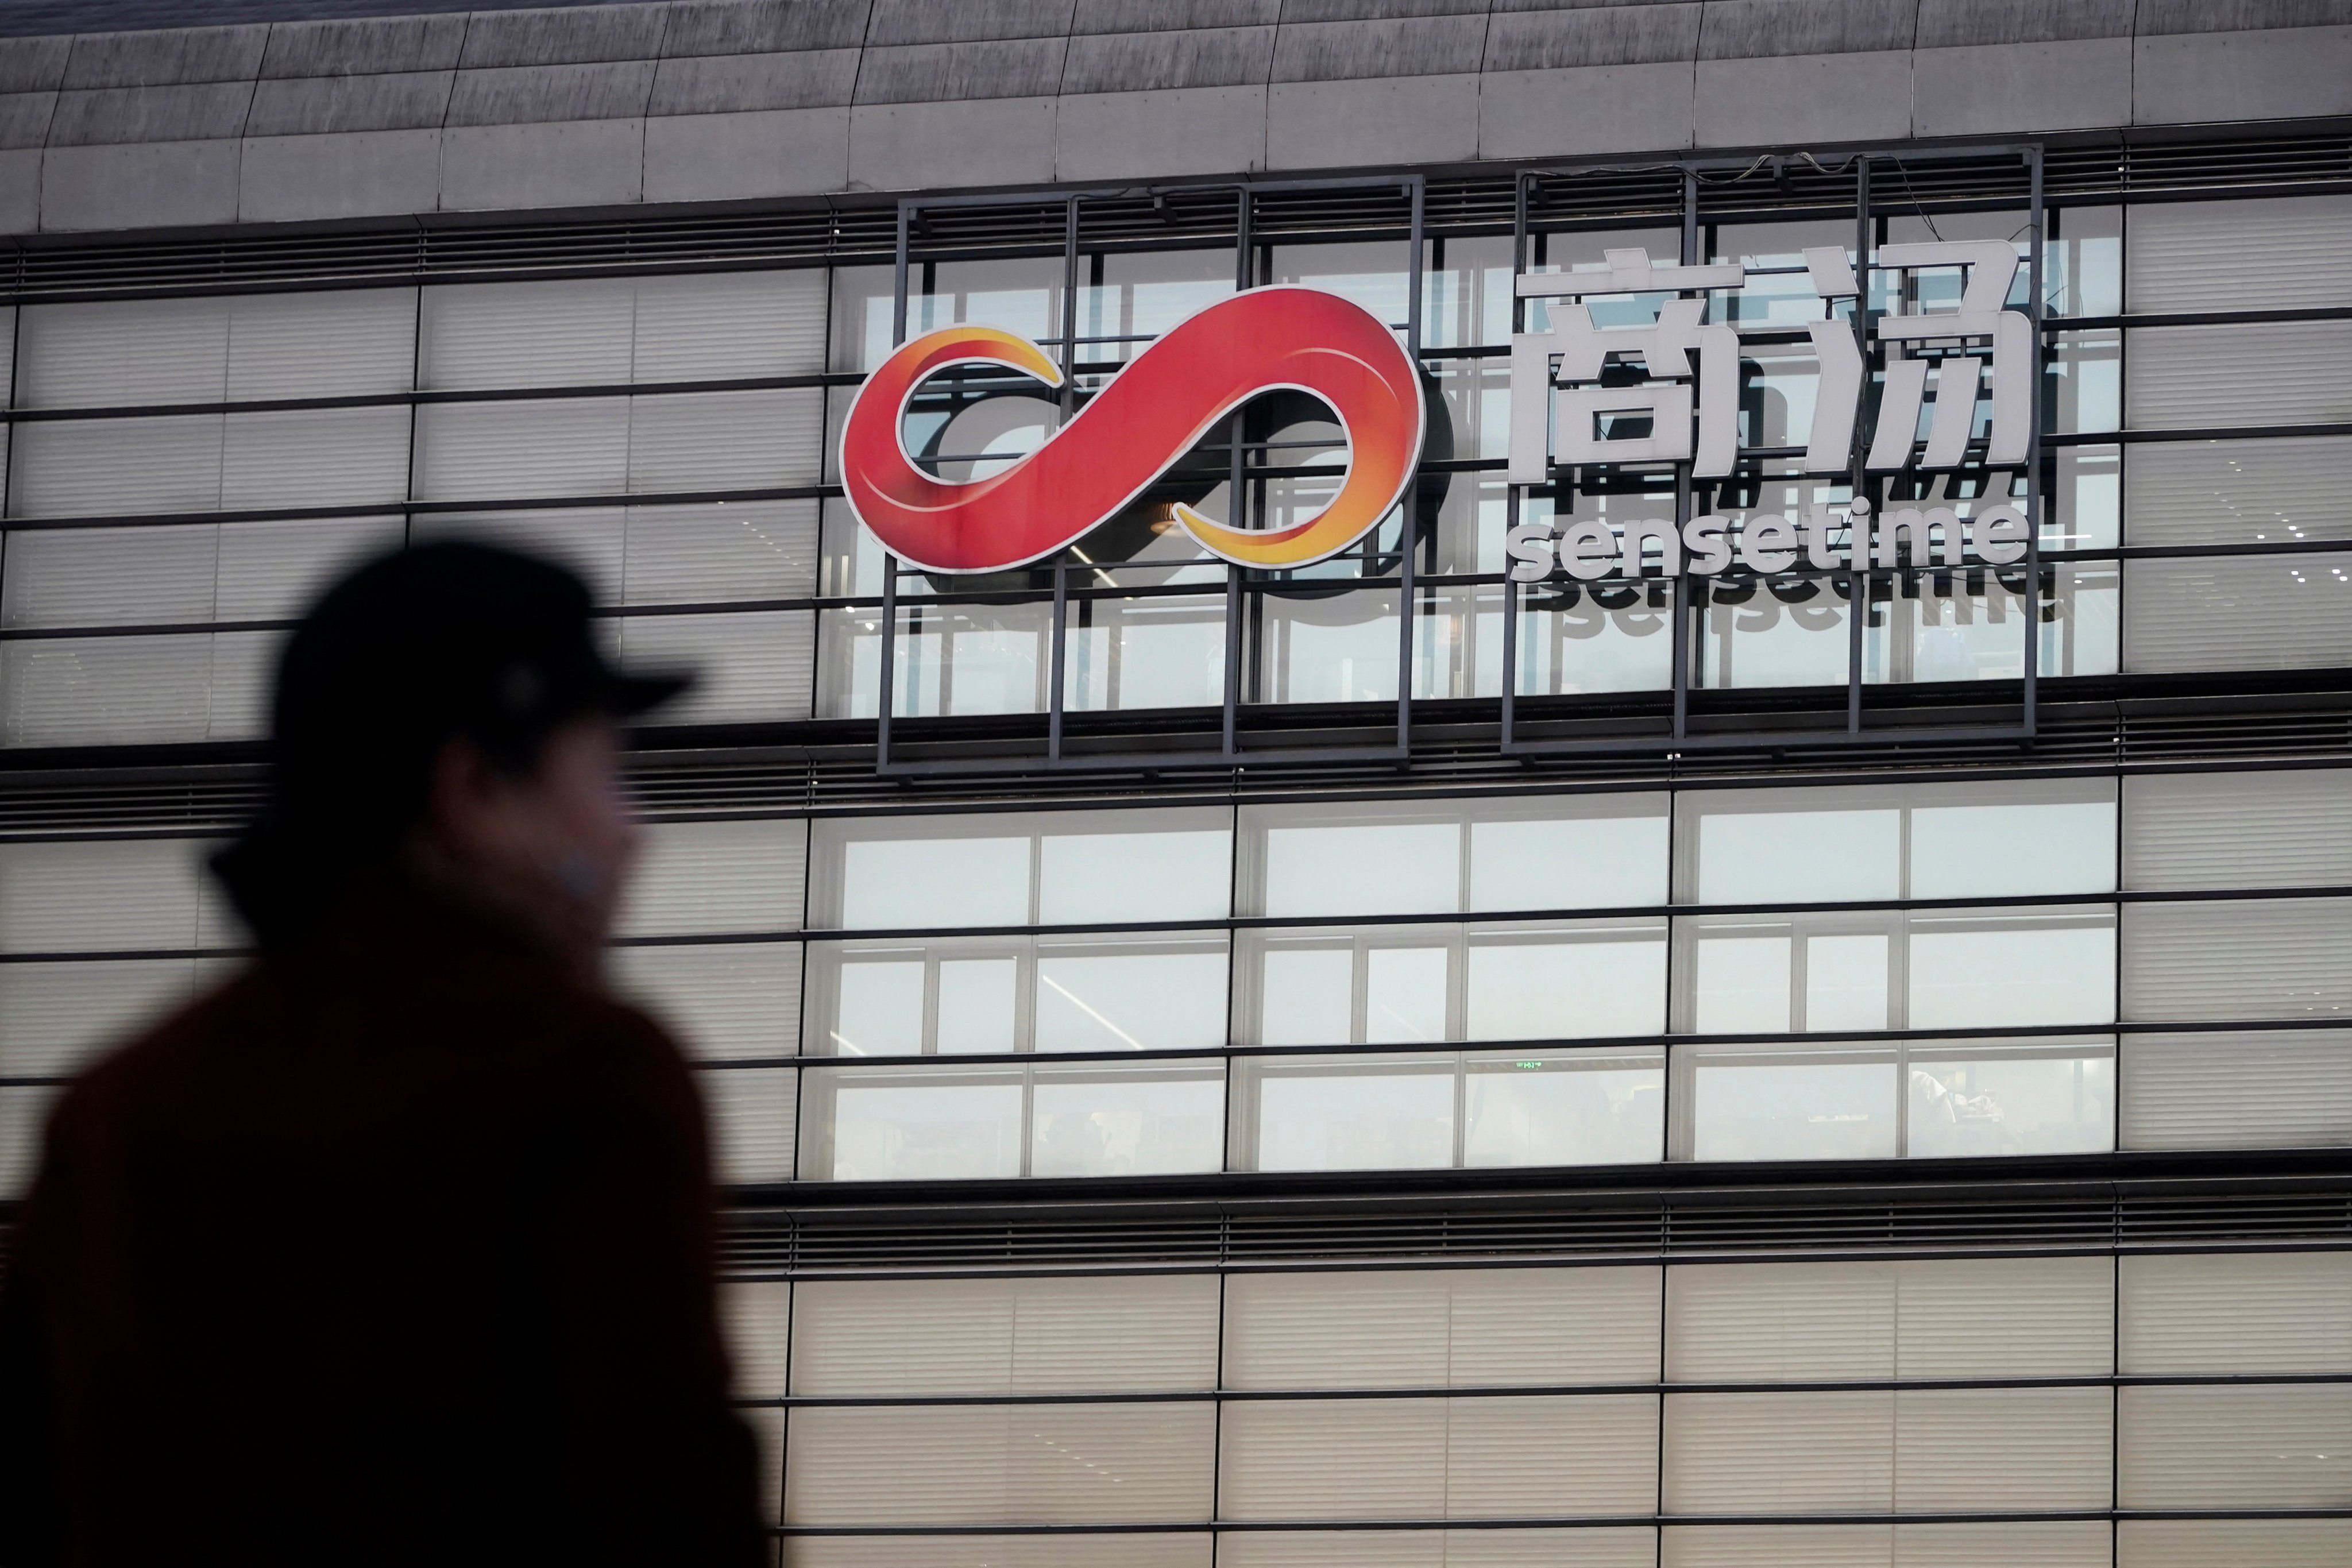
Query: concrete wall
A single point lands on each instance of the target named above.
(702, 100)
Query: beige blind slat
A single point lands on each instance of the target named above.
(2279, 1088)
(750, 665)
(1019, 1464)
(1134, 1551)
(242, 348)
(1596, 1548)
(1089, 1335)
(1461, 1327)
(601, 331)
(1963, 1449)
(2081, 1545)
(1433, 1459)
(758, 1315)
(516, 450)
(2237, 1312)
(2028, 1317)
(2274, 490)
(2272, 958)
(1781, 1453)
(739, 1000)
(753, 1121)
(97, 894)
(100, 467)
(710, 877)
(55, 1018)
(2276, 1445)
(2196, 613)
(2250, 1542)
(2194, 256)
(24, 1108)
(768, 1436)
(315, 457)
(730, 550)
(2265, 373)
(2286, 828)
(725, 440)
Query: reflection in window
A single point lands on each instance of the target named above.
(1920, 1099)
(1321, 645)
(1114, 1119)
(1145, 652)
(1772, 631)
(1426, 1111)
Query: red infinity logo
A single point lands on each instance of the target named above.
(1145, 418)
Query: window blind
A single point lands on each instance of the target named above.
(1498, 1458)
(706, 878)
(2266, 612)
(1105, 1334)
(710, 554)
(757, 1315)
(1829, 1452)
(1601, 1547)
(55, 1018)
(754, 666)
(1960, 1450)
(2192, 255)
(2270, 491)
(1461, 1327)
(768, 1438)
(238, 347)
(2260, 1445)
(2251, 1089)
(2236, 1312)
(752, 1122)
(2272, 958)
(2081, 1545)
(588, 539)
(605, 332)
(315, 458)
(126, 689)
(2031, 1317)
(523, 449)
(110, 576)
(272, 570)
(95, 895)
(1135, 1550)
(725, 440)
(2202, 1542)
(2265, 373)
(743, 999)
(1064, 1464)
(2290, 827)
(23, 1109)
(116, 468)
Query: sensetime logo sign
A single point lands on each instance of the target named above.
(1181, 386)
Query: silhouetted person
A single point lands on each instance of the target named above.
(397, 1249)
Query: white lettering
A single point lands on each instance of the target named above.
(1584, 567)
(1769, 543)
(2000, 536)
(1638, 535)
(1703, 536)
(1529, 547)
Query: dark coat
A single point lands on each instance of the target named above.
(397, 1249)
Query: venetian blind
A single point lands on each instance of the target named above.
(220, 348)
(708, 877)
(2196, 256)
(1094, 1335)
(2071, 1545)
(95, 895)
(1190, 1549)
(2291, 827)
(2235, 1446)
(1599, 1547)
(2243, 374)
(2239, 1088)
(743, 999)
(752, 1122)
(2214, 612)
(55, 1018)
(2237, 1312)
(757, 1315)
(1461, 1327)
(2229, 959)
(24, 1108)
(2272, 491)
(993, 1464)
(750, 667)
(710, 326)
(2201, 1542)
(1491, 1457)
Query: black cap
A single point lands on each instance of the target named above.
(409, 650)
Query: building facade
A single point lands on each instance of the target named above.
(1755, 969)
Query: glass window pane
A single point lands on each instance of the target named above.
(880, 1004)
(1404, 995)
(1362, 868)
(1741, 983)
(2041, 846)
(1985, 971)
(1846, 982)
(1119, 1121)
(1794, 846)
(2048, 1098)
(1324, 647)
(978, 998)
(937, 881)
(1565, 982)
(1350, 1113)
(1308, 994)
(896, 1124)
(1770, 1103)
(1566, 1109)
(1135, 993)
(1776, 631)
(1182, 874)
(1613, 858)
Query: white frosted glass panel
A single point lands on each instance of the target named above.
(2258, 1446)
(1958, 1449)
(1995, 850)
(756, 1315)
(24, 1110)
(932, 881)
(1185, 874)
(752, 1116)
(1578, 984)
(1615, 859)
(121, 690)
(243, 348)
(2264, 612)
(743, 999)
(1823, 1452)
(1135, 1551)
(2251, 1312)
(696, 327)
(1970, 972)
(1130, 998)
(725, 440)
(1771, 1102)
(2279, 490)
(1438, 1458)
(703, 878)
(110, 576)
(2226, 958)
(905, 1126)
(1585, 1547)
(2290, 253)
(1353, 1114)
(1116, 1121)
(560, 446)
(1368, 869)
(2247, 372)
(272, 570)
(990, 1465)
(2250, 1542)
(1563, 1107)
(56, 1018)
(2290, 827)
(1456, 1327)
(750, 667)
(315, 458)
(98, 894)
(1078, 1335)
(98, 468)
(2280, 1088)
(1759, 855)
(1405, 994)
(725, 551)
(1306, 996)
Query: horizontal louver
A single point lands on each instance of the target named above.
(1083, 1335)
(2284, 490)
(2276, 1088)
(2231, 959)
(2262, 612)
(2282, 828)
(1442, 1328)
(2264, 1312)
(2241, 374)
(2265, 1446)
(1498, 1457)
(2290, 252)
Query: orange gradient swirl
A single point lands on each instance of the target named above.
(1145, 418)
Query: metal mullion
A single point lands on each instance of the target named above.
(1858, 529)
(2035, 501)
(1237, 502)
(1409, 519)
